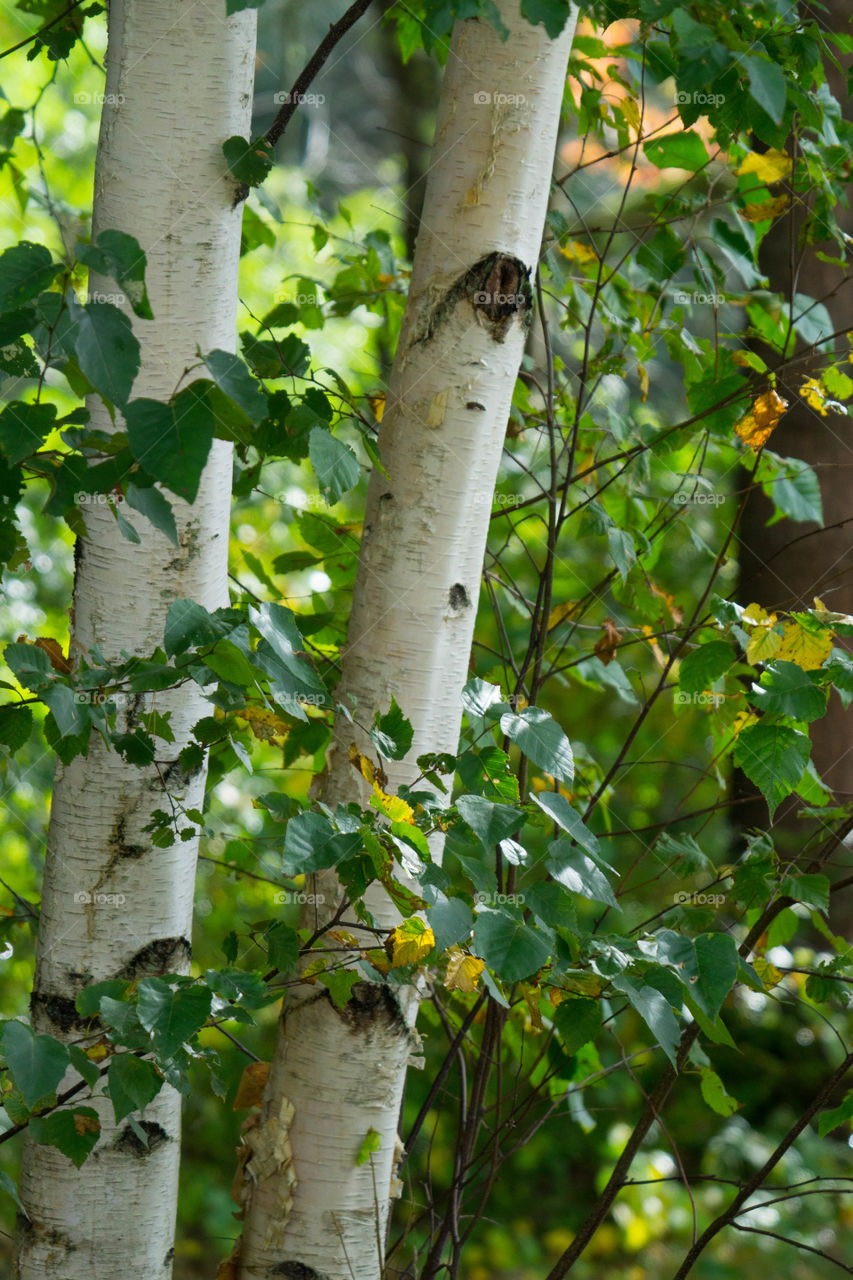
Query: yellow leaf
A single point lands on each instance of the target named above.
(767, 972)
(822, 614)
(577, 984)
(463, 972)
(763, 644)
(767, 211)
(814, 394)
(411, 942)
(756, 426)
(754, 614)
(654, 646)
(392, 806)
(97, 1052)
(265, 725)
(771, 167)
(561, 612)
(534, 1013)
(577, 252)
(642, 374)
(366, 767)
(742, 721)
(808, 649)
(250, 1091)
(377, 404)
(631, 112)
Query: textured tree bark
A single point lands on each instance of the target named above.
(179, 82)
(786, 565)
(335, 1075)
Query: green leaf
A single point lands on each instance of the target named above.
(172, 1017)
(250, 162)
(774, 758)
(508, 945)
(37, 1063)
(794, 490)
(190, 625)
(237, 6)
(767, 85)
(841, 1114)
(72, 714)
(25, 270)
(232, 376)
(787, 690)
(119, 256)
(622, 550)
(89, 1070)
(478, 696)
(16, 725)
(577, 872)
(714, 1093)
(684, 150)
(704, 665)
(30, 664)
(340, 984)
(133, 1083)
(88, 1002)
(334, 463)
(811, 889)
(392, 733)
(231, 664)
(172, 441)
(106, 348)
(74, 1133)
(717, 965)
(283, 946)
(491, 823)
(655, 1012)
(7, 1185)
(552, 904)
(558, 808)
(24, 428)
(577, 1022)
(369, 1147)
(151, 504)
(451, 922)
(278, 655)
(542, 740)
(310, 844)
(553, 14)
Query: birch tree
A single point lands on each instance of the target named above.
(116, 906)
(338, 1074)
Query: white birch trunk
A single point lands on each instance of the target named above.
(413, 615)
(179, 82)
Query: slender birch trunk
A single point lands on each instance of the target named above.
(179, 82)
(337, 1074)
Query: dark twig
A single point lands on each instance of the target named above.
(318, 59)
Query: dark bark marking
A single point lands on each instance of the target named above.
(60, 1010)
(296, 1271)
(163, 955)
(497, 287)
(458, 597)
(128, 1142)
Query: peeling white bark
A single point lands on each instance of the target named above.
(179, 82)
(415, 601)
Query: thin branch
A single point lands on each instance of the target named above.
(318, 59)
